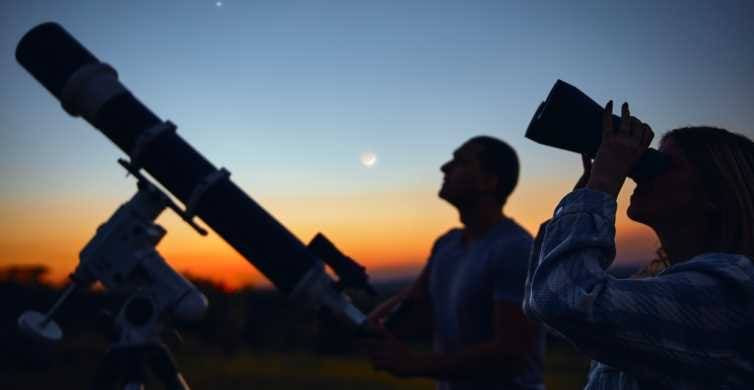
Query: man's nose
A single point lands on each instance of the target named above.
(445, 167)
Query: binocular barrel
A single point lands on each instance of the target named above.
(569, 119)
(88, 88)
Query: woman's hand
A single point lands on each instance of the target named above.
(619, 150)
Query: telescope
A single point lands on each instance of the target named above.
(569, 119)
(89, 88)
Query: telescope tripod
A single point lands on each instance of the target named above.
(136, 349)
(126, 366)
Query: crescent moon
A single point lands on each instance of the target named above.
(368, 159)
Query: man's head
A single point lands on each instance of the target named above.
(482, 167)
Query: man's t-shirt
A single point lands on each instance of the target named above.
(465, 280)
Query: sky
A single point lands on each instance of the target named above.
(288, 96)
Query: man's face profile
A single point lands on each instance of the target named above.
(463, 178)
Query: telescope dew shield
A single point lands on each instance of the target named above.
(571, 120)
(88, 88)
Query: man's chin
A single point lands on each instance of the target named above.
(448, 198)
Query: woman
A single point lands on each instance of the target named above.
(692, 324)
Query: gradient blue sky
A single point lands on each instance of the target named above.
(288, 94)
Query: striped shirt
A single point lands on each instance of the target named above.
(689, 327)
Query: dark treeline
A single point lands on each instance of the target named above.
(259, 320)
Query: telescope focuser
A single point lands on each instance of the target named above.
(350, 273)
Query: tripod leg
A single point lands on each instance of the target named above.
(164, 367)
(121, 366)
(107, 375)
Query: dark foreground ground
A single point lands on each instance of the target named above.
(249, 339)
(205, 368)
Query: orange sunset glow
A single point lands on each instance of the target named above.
(391, 233)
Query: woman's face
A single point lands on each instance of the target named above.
(672, 197)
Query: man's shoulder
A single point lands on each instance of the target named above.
(509, 248)
(511, 234)
(449, 236)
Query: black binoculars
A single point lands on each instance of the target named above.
(571, 120)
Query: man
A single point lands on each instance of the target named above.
(471, 288)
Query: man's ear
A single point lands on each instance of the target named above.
(489, 182)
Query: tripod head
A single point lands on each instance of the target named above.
(122, 256)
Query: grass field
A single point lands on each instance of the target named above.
(205, 368)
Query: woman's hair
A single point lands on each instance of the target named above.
(724, 163)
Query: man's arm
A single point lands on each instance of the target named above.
(414, 313)
(503, 356)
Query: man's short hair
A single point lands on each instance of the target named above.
(499, 159)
